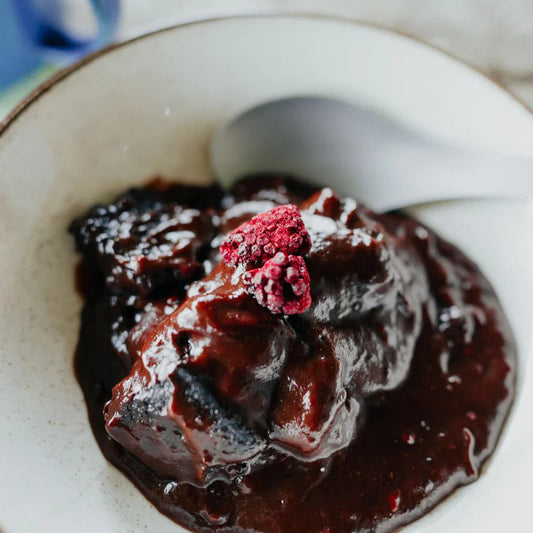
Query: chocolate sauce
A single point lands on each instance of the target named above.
(358, 415)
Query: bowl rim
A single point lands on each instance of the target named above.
(63, 73)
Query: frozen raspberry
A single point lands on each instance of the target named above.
(281, 284)
(279, 230)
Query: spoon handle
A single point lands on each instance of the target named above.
(413, 174)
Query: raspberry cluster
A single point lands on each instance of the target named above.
(279, 230)
(281, 284)
(273, 242)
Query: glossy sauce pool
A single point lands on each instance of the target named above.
(416, 444)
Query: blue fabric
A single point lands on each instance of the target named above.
(30, 34)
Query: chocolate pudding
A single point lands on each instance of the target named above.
(311, 368)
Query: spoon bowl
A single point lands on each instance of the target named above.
(361, 153)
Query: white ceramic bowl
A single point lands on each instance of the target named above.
(149, 108)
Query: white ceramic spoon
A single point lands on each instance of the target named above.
(385, 164)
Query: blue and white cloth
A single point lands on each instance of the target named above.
(34, 31)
